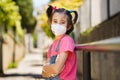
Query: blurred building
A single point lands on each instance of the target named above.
(99, 20)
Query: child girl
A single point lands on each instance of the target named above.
(62, 62)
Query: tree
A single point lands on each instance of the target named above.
(52, 0)
(9, 16)
(26, 10)
(10, 19)
(68, 4)
(9, 13)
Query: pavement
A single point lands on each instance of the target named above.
(29, 68)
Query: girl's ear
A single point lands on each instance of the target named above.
(69, 27)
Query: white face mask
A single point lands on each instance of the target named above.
(58, 29)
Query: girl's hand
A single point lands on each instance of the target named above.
(54, 69)
(49, 71)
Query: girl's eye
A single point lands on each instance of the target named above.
(62, 22)
(55, 21)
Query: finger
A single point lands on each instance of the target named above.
(43, 70)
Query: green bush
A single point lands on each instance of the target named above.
(13, 65)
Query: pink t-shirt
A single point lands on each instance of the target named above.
(66, 44)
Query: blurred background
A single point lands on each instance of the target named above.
(25, 36)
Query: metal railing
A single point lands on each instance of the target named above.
(108, 45)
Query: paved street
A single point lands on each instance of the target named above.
(28, 69)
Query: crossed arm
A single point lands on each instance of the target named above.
(54, 69)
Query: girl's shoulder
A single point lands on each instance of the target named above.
(67, 38)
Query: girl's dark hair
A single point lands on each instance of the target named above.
(50, 11)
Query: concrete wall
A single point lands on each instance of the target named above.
(19, 52)
(8, 50)
(104, 16)
(98, 11)
(85, 14)
(114, 7)
(94, 12)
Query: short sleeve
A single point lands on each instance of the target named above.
(67, 44)
(48, 54)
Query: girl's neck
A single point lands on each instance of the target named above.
(58, 37)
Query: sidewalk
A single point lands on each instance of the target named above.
(29, 68)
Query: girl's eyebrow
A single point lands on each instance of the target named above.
(54, 19)
(62, 20)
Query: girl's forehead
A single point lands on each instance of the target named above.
(59, 16)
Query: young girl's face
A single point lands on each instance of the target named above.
(59, 24)
(59, 18)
